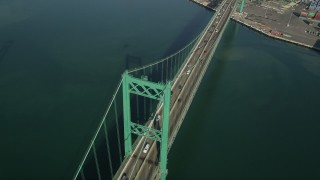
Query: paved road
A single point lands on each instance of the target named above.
(182, 88)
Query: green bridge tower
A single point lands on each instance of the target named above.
(151, 90)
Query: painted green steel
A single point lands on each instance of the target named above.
(126, 115)
(145, 88)
(150, 133)
(241, 7)
(165, 132)
(151, 90)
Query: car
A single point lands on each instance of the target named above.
(188, 72)
(124, 176)
(158, 117)
(146, 148)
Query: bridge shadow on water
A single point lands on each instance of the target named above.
(191, 30)
(228, 40)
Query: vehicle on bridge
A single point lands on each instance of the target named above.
(158, 117)
(124, 177)
(146, 148)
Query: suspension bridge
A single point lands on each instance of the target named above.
(148, 107)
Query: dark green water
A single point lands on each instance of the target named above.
(60, 61)
(256, 114)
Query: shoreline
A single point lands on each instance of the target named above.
(233, 18)
(273, 36)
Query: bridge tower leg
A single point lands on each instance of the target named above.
(165, 132)
(241, 7)
(151, 90)
(126, 115)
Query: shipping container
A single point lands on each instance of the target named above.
(310, 16)
(311, 13)
(277, 33)
(304, 13)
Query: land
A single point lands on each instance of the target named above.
(266, 17)
(279, 20)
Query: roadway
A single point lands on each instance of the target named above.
(143, 165)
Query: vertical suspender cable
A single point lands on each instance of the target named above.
(179, 59)
(144, 103)
(162, 72)
(171, 69)
(96, 161)
(108, 148)
(151, 77)
(167, 70)
(118, 134)
(157, 68)
(137, 100)
(175, 65)
(190, 47)
(82, 175)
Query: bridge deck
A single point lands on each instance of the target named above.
(183, 89)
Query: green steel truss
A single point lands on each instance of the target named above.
(241, 6)
(145, 131)
(152, 90)
(144, 88)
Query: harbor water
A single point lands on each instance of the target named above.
(60, 62)
(255, 114)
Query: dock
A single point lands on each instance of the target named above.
(285, 26)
